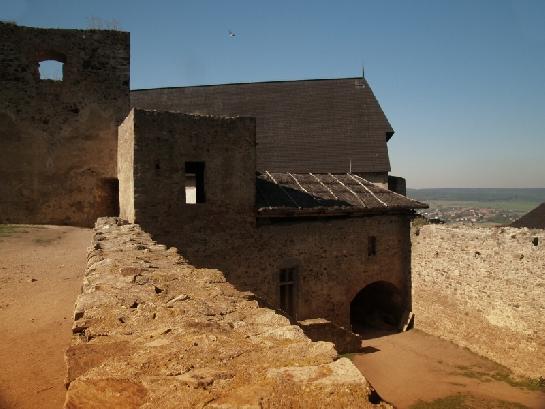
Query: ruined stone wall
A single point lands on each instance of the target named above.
(163, 143)
(58, 139)
(483, 288)
(153, 331)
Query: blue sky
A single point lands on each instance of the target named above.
(462, 81)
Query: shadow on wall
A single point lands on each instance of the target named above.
(245, 256)
(235, 255)
(229, 251)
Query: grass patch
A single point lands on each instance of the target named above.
(461, 401)
(503, 374)
(525, 383)
(450, 402)
(47, 241)
(7, 230)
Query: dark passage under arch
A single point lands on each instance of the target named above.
(379, 306)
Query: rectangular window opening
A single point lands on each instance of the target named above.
(51, 70)
(194, 182)
(287, 285)
(372, 246)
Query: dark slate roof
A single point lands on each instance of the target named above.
(535, 219)
(295, 194)
(303, 126)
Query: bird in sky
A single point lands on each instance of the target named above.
(231, 34)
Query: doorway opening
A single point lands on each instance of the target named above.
(377, 307)
(108, 197)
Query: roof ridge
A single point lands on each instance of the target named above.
(250, 83)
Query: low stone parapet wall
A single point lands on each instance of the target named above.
(484, 289)
(320, 329)
(152, 331)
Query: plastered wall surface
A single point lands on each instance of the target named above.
(483, 288)
(152, 331)
(58, 139)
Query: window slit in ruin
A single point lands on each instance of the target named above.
(287, 286)
(194, 182)
(372, 246)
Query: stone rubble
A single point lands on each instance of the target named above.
(152, 331)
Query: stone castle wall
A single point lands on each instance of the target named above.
(330, 257)
(483, 288)
(153, 331)
(153, 148)
(223, 233)
(331, 270)
(58, 139)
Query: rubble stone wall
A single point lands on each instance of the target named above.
(222, 232)
(484, 289)
(162, 142)
(151, 331)
(330, 257)
(58, 139)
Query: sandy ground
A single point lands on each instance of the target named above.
(41, 271)
(408, 367)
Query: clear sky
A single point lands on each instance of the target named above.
(462, 81)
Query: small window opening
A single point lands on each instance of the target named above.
(51, 65)
(372, 246)
(535, 241)
(287, 282)
(51, 70)
(194, 182)
(157, 168)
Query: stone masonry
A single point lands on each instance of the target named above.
(58, 139)
(225, 232)
(153, 331)
(483, 288)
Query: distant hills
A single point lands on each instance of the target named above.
(529, 195)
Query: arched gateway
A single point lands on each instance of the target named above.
(378, 306)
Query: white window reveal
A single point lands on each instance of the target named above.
(194, 182)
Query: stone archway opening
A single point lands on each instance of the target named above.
(377, 307)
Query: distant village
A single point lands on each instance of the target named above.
(470, 215)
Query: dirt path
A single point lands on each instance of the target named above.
(41, 270)
(413, 366)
